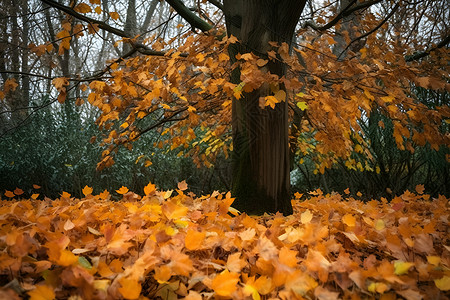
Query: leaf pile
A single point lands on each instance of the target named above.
(172, 245)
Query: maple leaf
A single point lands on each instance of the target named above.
(60, 83)
(10, 85)
(87, 191)
(182, 186)
(225, 283)
(122, 190)
(194, 239)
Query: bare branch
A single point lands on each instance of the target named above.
(343, 13)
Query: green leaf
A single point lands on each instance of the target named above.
(84, 262)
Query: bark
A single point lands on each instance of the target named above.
(261, 179)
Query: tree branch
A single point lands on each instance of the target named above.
(189, 16)
(216, 4)
(102, 25)
(343, 13)
(420, 55)
(373, 30)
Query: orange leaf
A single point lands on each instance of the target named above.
(194, 239)
(35, 186)
(114, 15)
(420, 188)
(288, 257)
(18, 191)
(87, 190)
(122, 190)
(349, 220)
(9, 194)
(182, 185)
(225, 283)
(149, 188)
(83, 8)
(130, 289)
(42, 292)
(60, 83)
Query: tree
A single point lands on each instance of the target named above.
(287, 82)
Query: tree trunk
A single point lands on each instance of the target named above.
(261, 178)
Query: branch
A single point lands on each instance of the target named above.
(189, 16)
(343, 13)
(139, 47)
(216, 4)
(420, 55)
(373, 30)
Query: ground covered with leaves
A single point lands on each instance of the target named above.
(173, 245)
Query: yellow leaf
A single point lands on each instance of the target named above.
(379, 224)
(83, 8)
(130, 289)
(122, 190)
(401, 267)
(87, 190)
(34, 196)
(225, 283)
(42, 292)
(306, 217)
(251, 290)
(443, 284)
(349, 220)
(433, 260)
(101, 284)
(148, 163)
(302, 105)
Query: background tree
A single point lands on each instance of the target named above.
(191, 87)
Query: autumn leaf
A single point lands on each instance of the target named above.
(225, 283)
(401, 267)
(114, 15)
(194, 239)
(87, 191)
(443, 283)
(18, 191)
(122, 190)
(349, 220)
(9, 194)
(83, 8)
(302, 105)
(306, 217)
(130, 289)
(60, 83)
(182, 186)
(42, 292)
